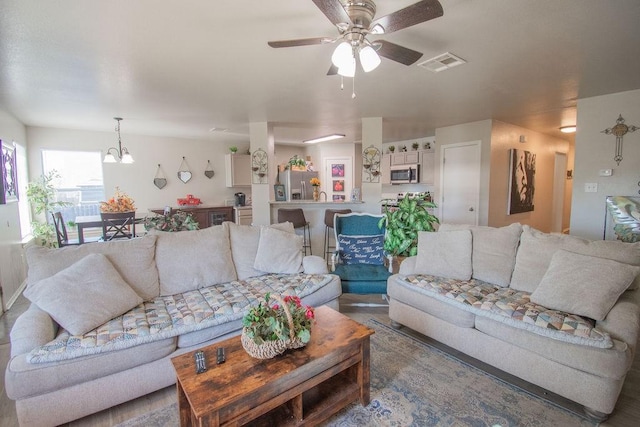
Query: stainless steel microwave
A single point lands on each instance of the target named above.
(405, 174)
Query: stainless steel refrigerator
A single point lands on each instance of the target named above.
(297, 185)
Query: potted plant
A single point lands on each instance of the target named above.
(272, 328)
(392, 148)
(179, 221)
(296, 163)
(233, 149)
(42, 196)
(415, 146)
(403, 225)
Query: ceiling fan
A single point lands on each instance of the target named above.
(354, 20)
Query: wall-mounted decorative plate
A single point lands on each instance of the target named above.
(159, 181)
(208, 172)
(184, 174)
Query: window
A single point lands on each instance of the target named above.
(23, 202)
(80, 182)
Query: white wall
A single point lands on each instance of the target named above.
(12, 262)
(505, 136)
(594, 151)
(475, 131)
(148, 151)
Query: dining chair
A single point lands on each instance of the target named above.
(118, 225)
(61, 231)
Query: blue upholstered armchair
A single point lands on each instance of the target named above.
(359, 258)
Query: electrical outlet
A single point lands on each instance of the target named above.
(591, 187)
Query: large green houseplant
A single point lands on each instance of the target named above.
(42, 196)
(404, 223)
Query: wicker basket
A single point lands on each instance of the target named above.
(271, 349)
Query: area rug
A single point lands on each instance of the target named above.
(416, 384)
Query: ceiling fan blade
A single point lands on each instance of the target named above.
(410, 15)
(333, 70)
(299, 42)
(396, 52)
(333, 10)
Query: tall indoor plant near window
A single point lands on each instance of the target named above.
(42, 196)
(403, 225)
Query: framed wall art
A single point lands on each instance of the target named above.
(8, 174)
(522, 171)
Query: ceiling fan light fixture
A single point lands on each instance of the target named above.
(348, 69)
(343, 55)
(369, 59)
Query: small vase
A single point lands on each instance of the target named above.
(316, 194)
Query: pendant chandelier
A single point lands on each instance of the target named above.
(120, 154)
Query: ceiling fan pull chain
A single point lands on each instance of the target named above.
(353, 90)
(341, 82)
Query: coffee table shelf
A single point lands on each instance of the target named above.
(301, 387)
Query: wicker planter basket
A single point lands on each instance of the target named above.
(271, 349)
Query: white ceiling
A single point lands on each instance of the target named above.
(179, 68)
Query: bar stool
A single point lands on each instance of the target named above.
(328, 226)
(296, 217)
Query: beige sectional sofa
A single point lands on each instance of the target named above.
(106, 318)
(555, 310)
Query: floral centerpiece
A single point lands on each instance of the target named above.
(271, 329)
(120, 202)
(316, 191)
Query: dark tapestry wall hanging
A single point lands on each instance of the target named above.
(522, 171)
(8, 175)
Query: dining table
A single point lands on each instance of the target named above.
(91, 221)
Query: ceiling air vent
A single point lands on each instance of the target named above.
(442, 62)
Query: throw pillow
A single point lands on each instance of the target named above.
(244, 246)
(583, 285)
(133, 258)
(537, 248)
(362, 249)
(493, 255)
(279, 252)
(189, 260)
(84, 295)
(444, 254)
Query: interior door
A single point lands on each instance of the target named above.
(460, 183)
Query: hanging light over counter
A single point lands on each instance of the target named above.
(120, 154)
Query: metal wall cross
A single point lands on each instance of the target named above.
(619, 130)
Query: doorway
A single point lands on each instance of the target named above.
(460, 183)
(559, 179)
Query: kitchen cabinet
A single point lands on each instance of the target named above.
(405, 158)
(237, 170)
(427, 166)
(244, 215)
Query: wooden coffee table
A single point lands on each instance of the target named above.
(304, 386)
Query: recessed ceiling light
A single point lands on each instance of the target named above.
(568, 129)
(324, 138)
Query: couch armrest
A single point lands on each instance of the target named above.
(623, 321)
(313, 264)
(32, 329)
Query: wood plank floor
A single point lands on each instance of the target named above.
(358, 307)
